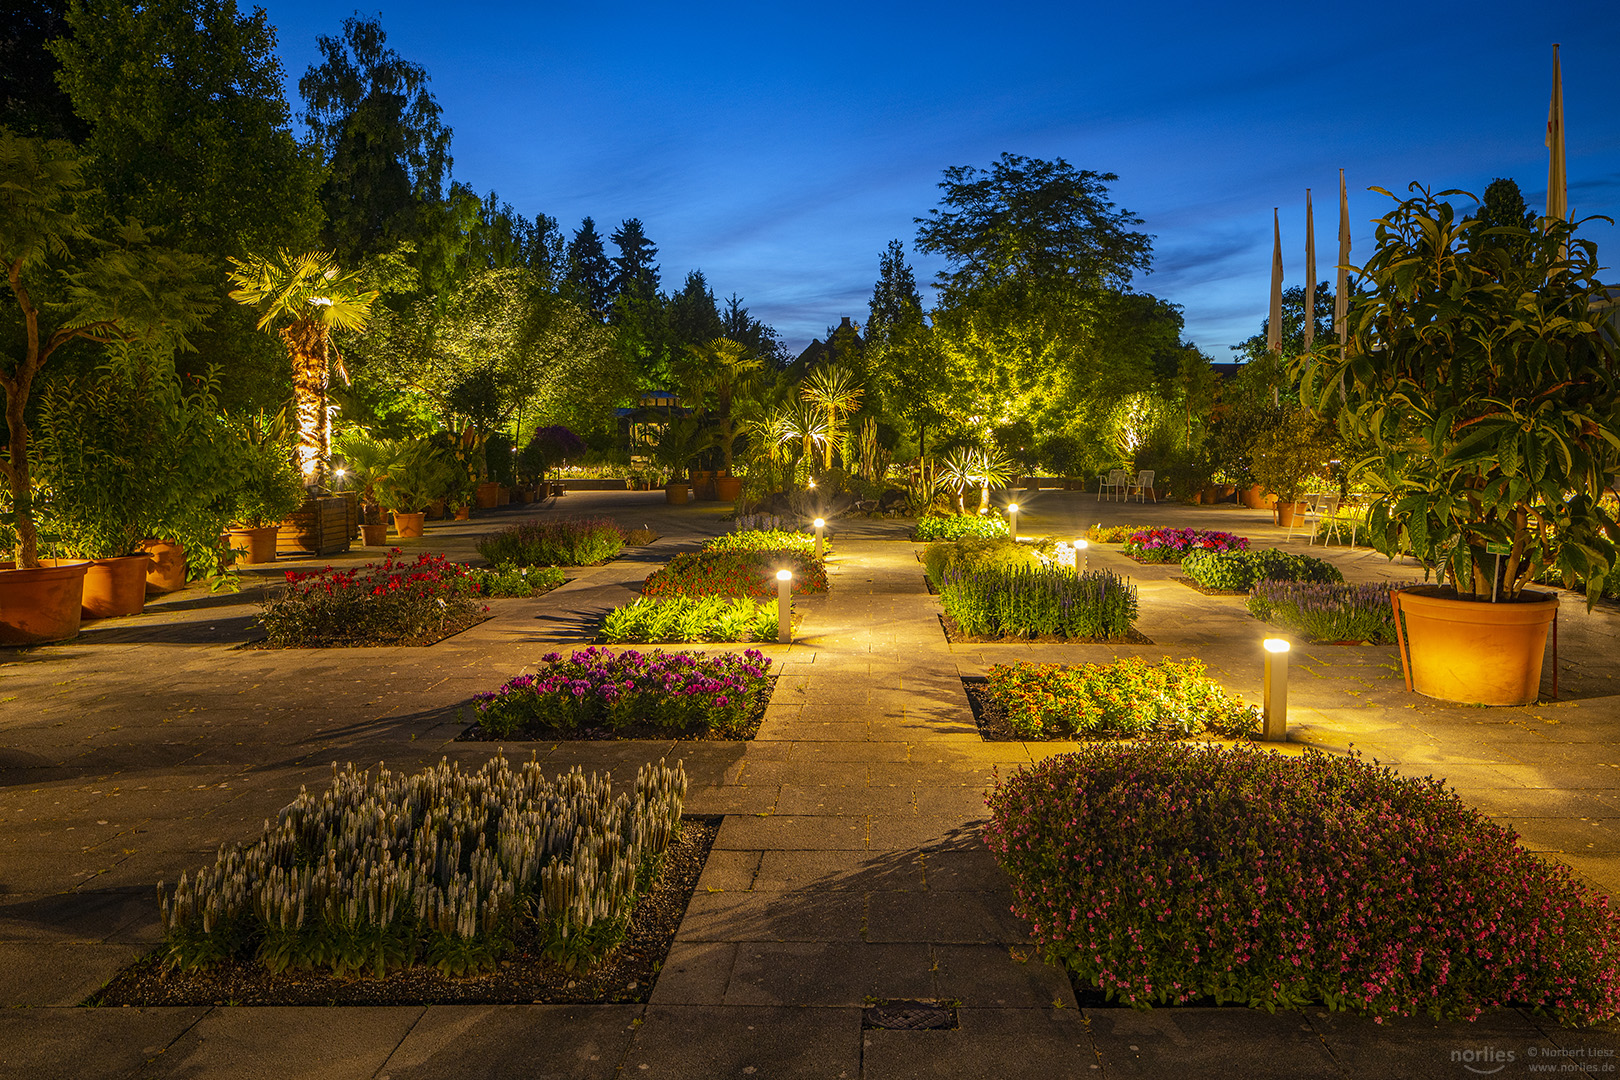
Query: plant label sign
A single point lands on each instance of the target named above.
(1499, 549)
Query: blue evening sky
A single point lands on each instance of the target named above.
(779, 147)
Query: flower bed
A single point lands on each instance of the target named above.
(1173, 545)
(735, 573)
(1167, 872)
(1237, 571)
(771, 541)
(1039, 602)
(1126, 698)
(393, 602)
(960, 527)
(503, 582)
(1114, 534)
(443, 868)
(691, 618)
(554, 542)
(966, 556)
(1327, 612)
(687, 693)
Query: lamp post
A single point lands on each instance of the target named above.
(784, 606)
(1082, 556)
(821, 527)
(1276, 691)
(1012, 520)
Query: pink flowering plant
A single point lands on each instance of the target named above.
(1124, 699)
(1172, 545)
(1165, 872)
(394, 602)
(596, 689)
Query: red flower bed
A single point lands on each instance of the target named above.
(393, 602)
(735, 573)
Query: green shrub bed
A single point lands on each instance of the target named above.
(1326, 612)
(1114, 534)
(691, 618)
(684, 693)
(393, 602)
(735, 573)
(1165, 872)
(1024, 601)
(770, 541)
(1124, 699)
(505, 582)
(970, 555)
(452, 870)
(960, 527)
(554, 542)
(1237, 571)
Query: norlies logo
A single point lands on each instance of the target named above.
(1485, 1060)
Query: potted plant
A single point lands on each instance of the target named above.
(1483, 379)
(74, 276)
(268, 488)
(1288, 457)
(422, 473)
(682, 441)
(368, 462)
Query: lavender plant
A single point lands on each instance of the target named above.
(1327, 612)
(595, 688)
(451, 869)
(1023, 601)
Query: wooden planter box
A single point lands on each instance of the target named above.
(322, 526)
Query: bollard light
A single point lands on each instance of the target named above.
(1276, 691)
(1012, 520)
(821, 526)
(1082, 556)
(784, 606)
(812, 484)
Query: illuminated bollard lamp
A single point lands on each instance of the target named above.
(1082, 556)
(1012, 520)
(821, 528)
(784, 606)
(1275, 705)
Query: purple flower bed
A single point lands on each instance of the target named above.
(598, 689)
(1170, 545)
(1167, 872)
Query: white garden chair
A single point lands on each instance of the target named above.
(1114, 483)
(1142, 486)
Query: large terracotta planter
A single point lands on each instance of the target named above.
(374, 535)
(728, 488)
(1254, 497)
(114, 587)
(43, 604)
(255, 545)
(1472, 651)
(676, 492)
(487, 495)
(408, 524)
(168, 570)
(463, 513)
(1289, 514)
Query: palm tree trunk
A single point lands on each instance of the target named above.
(306, 345)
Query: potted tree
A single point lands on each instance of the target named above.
(268, 488)
(422, 473)
(1288, 457)
(682, 441)
(74, 276)
(1487, 387)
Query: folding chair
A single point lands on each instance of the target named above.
(1144, 483)
(1317, 507)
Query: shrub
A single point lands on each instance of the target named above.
(1025, 602)
(1166, 872)
(1237, 571)
(388, 603)
(514, 581)
(1114, 534)
(554, 542)
(691, 618)
(735, 573)
(685, 692)
(1128, 697)
(971, 555)
(1172, 545)
(639, 537)
(440, 867)
(772, 541)
(961, 527)
(1326, 612)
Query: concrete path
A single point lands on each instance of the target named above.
(847, 869)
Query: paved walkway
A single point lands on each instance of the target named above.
(847, 868)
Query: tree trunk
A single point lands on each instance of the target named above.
(27, 553)
(306, 345)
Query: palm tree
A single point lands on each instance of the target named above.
(833, 390)
(973, 466)
(305, 297)
(727, 373)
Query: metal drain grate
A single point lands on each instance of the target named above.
(909, 1016)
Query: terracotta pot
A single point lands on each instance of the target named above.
(435, 510)
(676, 492)
(1290, 513)
(168, 570)
(1473, 651)
(114, 587)
(1254, 497)
(463, 513)
(486, 494)
(1196, 498)
(728, 488)
(408, 524)
(255, 545)
(375, 535)
(43, 604)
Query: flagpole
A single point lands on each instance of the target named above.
(1310, 272)
(1341, 290)
(1557, 175)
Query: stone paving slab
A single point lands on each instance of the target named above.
(523, 1042)
(335, 1043)
(75, 1044)
(698, 1042)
